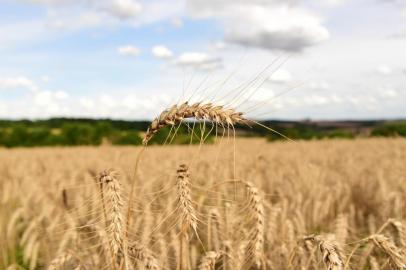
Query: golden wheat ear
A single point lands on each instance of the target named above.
(395, 254)
(209, 260)
(219, 115)
(113, 207)
(330, 250)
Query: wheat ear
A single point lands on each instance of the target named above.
(394, 253)
(209, 260)
(59, 261)
(332, 256)
(255, 246)
(400, 232)
(188, 216)
(341, 229)
(114, 212)
(213, 230)
(139, 252)
(185, 204)
(217, 114)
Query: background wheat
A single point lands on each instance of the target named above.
(51, 213)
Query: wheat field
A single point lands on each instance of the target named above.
(234, 204)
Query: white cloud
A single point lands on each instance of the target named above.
(123, 9)
(388, 93)
(332, 2)
(176, 22)
(316, 100)
(86, 103)
(45, 79)
(75, 20)
(319, 86)
(107, 101)
(383, 70)
(3, 109)
(162, 52)
(264, 24)
(199, 60)
(219, 45)
(47, 2)
(129, 50)
(43, 98)
(281, 76)
(61, 95)
(280, 28)
(17, 82)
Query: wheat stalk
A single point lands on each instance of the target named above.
(177, 113)
(213, 230)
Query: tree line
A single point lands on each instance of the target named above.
(71, 132)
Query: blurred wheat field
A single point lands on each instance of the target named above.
(243, 204)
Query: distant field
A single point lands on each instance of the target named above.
(251, 214)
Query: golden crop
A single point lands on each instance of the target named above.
(236, 204)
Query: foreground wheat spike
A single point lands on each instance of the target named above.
(138, 252)
(330, 250)
(394, 253)
(400, 232)
(188, 216)
(188, 212)
(217, 114)
(114, 211)
(255, 245)
(209, 260)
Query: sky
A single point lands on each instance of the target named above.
(273, 59)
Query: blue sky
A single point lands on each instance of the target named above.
(129, 59)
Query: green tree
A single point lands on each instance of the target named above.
(127, 138)
(79, 134)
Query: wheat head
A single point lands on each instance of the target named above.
(217, 114)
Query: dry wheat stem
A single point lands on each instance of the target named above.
(177, 113)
